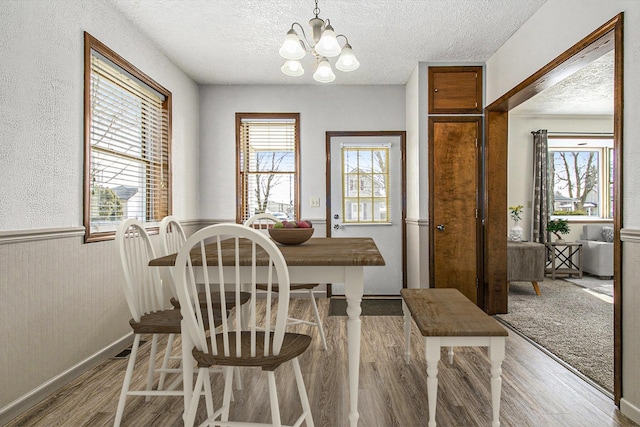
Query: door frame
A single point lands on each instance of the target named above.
(403, 180)
(608, 36)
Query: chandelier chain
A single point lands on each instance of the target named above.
(316, 10)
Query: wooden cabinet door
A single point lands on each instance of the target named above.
(454, 198)
(455, 90)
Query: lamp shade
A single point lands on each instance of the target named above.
(347, 60)
(291, 48)
(324, 73)
(328, 44)
(292, 67)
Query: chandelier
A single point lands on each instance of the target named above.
(325, 45)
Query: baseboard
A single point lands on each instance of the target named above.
(27, 401)
(629, 410)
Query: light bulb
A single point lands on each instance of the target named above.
(347, 61)
(328, 44)
(291, 48)
(293, 68)
(324, 73)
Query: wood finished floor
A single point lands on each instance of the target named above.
(536, 390)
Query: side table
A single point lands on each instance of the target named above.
(564, 258)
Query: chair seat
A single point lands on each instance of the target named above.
(292, 346)
(215, 298)
(159, 322)
(163, 322)
(293, 286)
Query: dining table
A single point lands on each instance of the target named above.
(318, 260)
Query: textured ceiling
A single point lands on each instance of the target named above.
(237, 41)
(587, 91)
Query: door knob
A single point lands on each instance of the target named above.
(440, 227)
(336, 216)
(336, 226)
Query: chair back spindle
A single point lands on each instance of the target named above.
(142, 285)
(213, 257)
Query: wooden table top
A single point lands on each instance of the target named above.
(357, 251)
(445, 312)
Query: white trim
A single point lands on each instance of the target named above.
(630, 410)
(417, 221)
(19, 236)
(630, 235)
(23, 403)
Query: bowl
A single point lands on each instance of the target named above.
(291, 236)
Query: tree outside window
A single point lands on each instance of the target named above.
(268, 165)
(581, 172)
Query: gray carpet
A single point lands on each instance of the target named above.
(603, 286)
(569, 322)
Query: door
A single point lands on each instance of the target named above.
(365, 173)
(454, 204)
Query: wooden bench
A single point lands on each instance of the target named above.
(445, 317)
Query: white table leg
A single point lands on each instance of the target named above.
(354, 289)
(187, 369)
(496, 355)
(407, 332)
(432, 353)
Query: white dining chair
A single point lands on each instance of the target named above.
(265, 344)
(172, 237)
(262, 222)
(145, 298)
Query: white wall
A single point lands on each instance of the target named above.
(520, 163)
(557, 26)
(417, 185)
(321, 108)
(61, 301)
(41, 109)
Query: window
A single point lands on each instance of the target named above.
(268, 156)
(127, 138)
(365, 174)
(581, 170)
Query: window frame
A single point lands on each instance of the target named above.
(93, 44)
(563, 143)
(240, 193)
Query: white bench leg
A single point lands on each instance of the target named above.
(432, 353)
(496, 355)
(407, 332)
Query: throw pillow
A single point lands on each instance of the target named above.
(607, 234)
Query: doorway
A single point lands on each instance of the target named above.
(496, 115)
(366, 194)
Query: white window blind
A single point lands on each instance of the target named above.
(268, 166)
(128, 156)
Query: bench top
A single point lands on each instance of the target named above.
(445, 312)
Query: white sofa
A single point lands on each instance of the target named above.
(597, 249)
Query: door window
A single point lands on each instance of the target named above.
(365, 178)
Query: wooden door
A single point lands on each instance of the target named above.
(454, 199)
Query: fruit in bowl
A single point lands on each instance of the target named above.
(291, 232)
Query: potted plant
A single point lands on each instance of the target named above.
(558, 226)
(516, 232)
